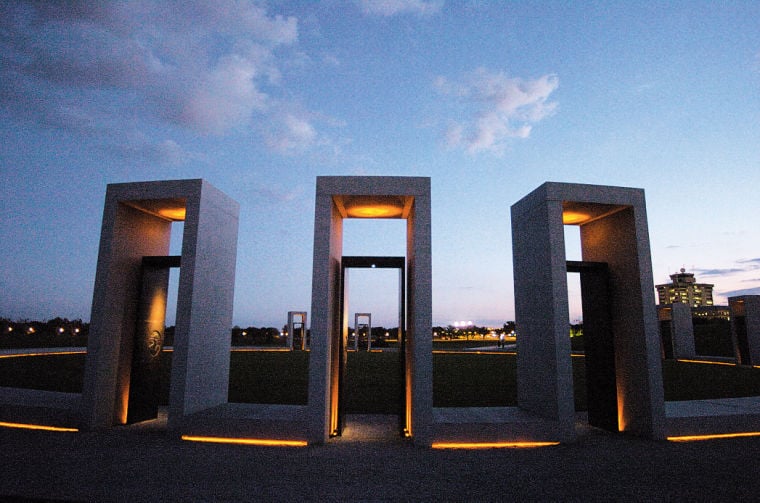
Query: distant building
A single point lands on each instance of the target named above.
(684, 289)
(711, 313)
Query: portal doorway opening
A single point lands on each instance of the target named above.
(146, 392)
(152, 347)
(365, 373)
(591, 337)
(361, 335)
(297, 333)
(339, 199)
(598, 344)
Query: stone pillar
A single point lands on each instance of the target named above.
(745, 328)
(137, 221)
(340, 197)
(678, 342)
(613, 231)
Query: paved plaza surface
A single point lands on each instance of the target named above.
(370, 464)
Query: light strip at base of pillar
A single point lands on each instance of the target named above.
(714, 436)
(706, 362)
(246, 441)
(462, 352)
(42, 427)
(491, 445)
(44, 353)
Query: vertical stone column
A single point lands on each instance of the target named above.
(544, 368)
(127, 235)
(202, 341)
(682, 331)
(745, 328)
(419, 350)
(325, 317)
(621, 239)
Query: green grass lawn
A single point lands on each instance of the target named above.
(698, 381)
(457, 344)
(269, 377)
(374, 383)
(46, 372)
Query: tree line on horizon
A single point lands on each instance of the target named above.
(63, 332)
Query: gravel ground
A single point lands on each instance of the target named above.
(124, 465)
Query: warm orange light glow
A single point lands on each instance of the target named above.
(622, 418)
(173, 213)
(246, 441)
(374, 211)
(574, 217)
(259, 350)
(51, 353)
(409, 404)
(695, 438)
(373, 206)
(707, 362)
(123, 401)
(491, 445)
(36, 427)
(157, 313)
(460, 352)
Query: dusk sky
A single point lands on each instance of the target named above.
(489, 99)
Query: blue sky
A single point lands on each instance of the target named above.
(489, 99)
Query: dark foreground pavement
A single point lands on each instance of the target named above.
(129, 465)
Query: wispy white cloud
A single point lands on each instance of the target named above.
(495, 107)
(750, 261)
(205, 66)
(393, 7)
(163, 152)
(290, 132)
(743, 265)
(331, 60)
(278, 194)
(293, 129)
(743, 291)
(720, 272)
(221, 98)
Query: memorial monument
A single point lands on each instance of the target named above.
(624, 372)
(341, 197)
(132, 271)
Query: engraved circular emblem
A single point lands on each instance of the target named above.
(153, 343)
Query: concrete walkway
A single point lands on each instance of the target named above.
(724, 415)
(128, 464)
